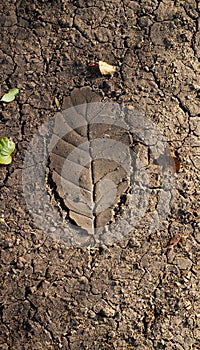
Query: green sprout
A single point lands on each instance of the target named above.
(10, 95)
(6, 148)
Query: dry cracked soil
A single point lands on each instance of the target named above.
(132, 293)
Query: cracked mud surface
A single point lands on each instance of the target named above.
(134, 294)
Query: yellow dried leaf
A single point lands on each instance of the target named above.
(57, 103)
(106, 69)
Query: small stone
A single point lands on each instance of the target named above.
(183, 263)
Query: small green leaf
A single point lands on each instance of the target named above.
(6, 148)
(10, 95)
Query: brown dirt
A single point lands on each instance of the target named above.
(134, 294)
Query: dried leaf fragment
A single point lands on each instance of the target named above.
(57, 103)
(6, 148)
(176, 159)
(106, 69)
(2, 221)
(169, 160)
(173, 241)
(10, 95)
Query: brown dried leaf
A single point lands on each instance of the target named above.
(176, 159)
(173, 241)
(169, 160)
(87, 178)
